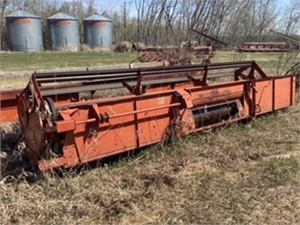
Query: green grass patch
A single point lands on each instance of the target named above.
(273, 64)
(53, 60)
(19, 61)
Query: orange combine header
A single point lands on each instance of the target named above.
(68, 120)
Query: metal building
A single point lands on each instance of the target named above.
(98, 32)
(24, 32)
(63, 32)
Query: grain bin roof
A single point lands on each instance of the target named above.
(97, 17)
(61, 16)
(21, 14)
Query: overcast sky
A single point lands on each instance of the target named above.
(116, 5)
(103, 5)
(119, 4)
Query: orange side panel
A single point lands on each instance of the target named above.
(152, 126)
(95, 139)
(276, 93)
(283, 93)
(216, 93)
(264, 96)
(9, 113)
(122, 133)
(8, 106)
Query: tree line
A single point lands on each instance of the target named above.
(167, 22)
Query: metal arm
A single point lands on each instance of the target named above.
(207, 36)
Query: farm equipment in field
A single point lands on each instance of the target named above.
(68, 120)
(183, 55)
(291, 44)
(210, 37)
(263, 47)
(207, 49)
(176, 56)
(172, 56)
(169, 56)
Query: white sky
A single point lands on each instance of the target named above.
(102, 5)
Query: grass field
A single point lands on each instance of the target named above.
(16, 68)
(16, 62)
(242, 174)
(53, 60)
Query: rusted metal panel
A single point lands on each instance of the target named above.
(264, 47)
(176, 56)
(8, 105)
(294, 42)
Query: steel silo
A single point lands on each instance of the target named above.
(98, 32)
(63, 32)
(24, 32)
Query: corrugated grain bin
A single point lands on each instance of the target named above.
(24, 32)
(63, 32)
(98, 32)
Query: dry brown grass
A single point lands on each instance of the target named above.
(242, 174)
